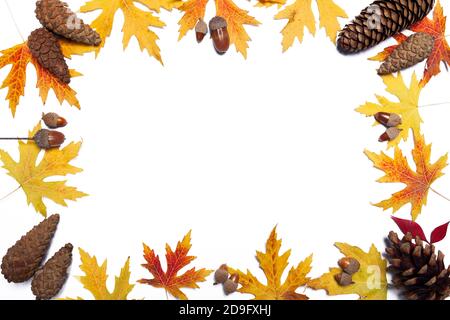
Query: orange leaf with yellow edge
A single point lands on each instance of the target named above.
(95, 278)
(441, 50)
(176, 260)
(273, 265)
(236, 18)
(19, 57)
(418, 182)
(369, 282)
(193, 11)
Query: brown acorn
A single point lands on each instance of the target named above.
(343, 279)
(53, 120)
(230, 286)
(221, 275)
(390, 134)
(47, 139)
(219, 34)
(388, 119)
(349, 265)
(201, 29)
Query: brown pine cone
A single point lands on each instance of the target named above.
(49, 280)
(56, 16)
(379, 21)
(45, 48)
(418, 272)
(24, 258)
(413, 50)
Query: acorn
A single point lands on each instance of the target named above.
(349, 265)
(219, 34)
(343, 279)
(230, 286)
(388, 119)
(47, 139)
(53, 120)
(221, 275)
(201, 29)
(390, 134)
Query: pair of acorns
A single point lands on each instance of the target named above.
(229, 283)
(219, 33)
(349, 267)
(390, 121)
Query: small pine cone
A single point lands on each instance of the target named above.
(24, 258)
(49, 280)
(379, 21)
(56, 16)
(418, 272)
(413, 50)
(45, 48)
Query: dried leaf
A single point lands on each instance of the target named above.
(273, 265)
(418, 182)
(193, 11)
(31, 176)
(329, 13)
(370, 281)
(269, 3)
(170, 280)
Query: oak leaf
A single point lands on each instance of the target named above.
(441, 50)
(406, 107)
(19, 57)
(370, 281)
(95, 278)
(193, 11)
(137, 22)
(32, 176)
(176, 260)
(418, 182)
(273, 265)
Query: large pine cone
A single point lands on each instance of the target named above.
(45, 48)
(49, 280)
(418, 272)
(24, 258)
(56, 16)
(379, 21)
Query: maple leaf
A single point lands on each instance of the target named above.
(170, 280)
(193, 11)
(137, 22)
(31, 176)
(406, 107)
(300, 15)
(273, 265)
(19, 57)
(441, 50)
(95, 278)
(236, 18)
(370, 281)
(418, 182)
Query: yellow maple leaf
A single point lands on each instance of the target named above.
(406, 107)
(329, 12)
(418, 182)
(370, 281)
(95, 279)
(236, 18)
(137, 22)
(273, 265)
(31, 176)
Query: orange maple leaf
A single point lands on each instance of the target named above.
(19, 57)
(176, 261)
(441, 51)
(193, 11)
(418, 182)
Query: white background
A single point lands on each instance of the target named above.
(224, 146)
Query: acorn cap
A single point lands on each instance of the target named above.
(201, 26)
(217, 23)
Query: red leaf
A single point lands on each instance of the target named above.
(439, 233)
(410, 226)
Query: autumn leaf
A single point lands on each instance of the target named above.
(370, 281)
(31, 175)
(95, 278)
(273, 265)
(269, 3)
(441, 51)
(329, 13)
(137, 22)
(406, 107)
(418, 182)
(170, 280)
(193, 11)
(19, 57)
